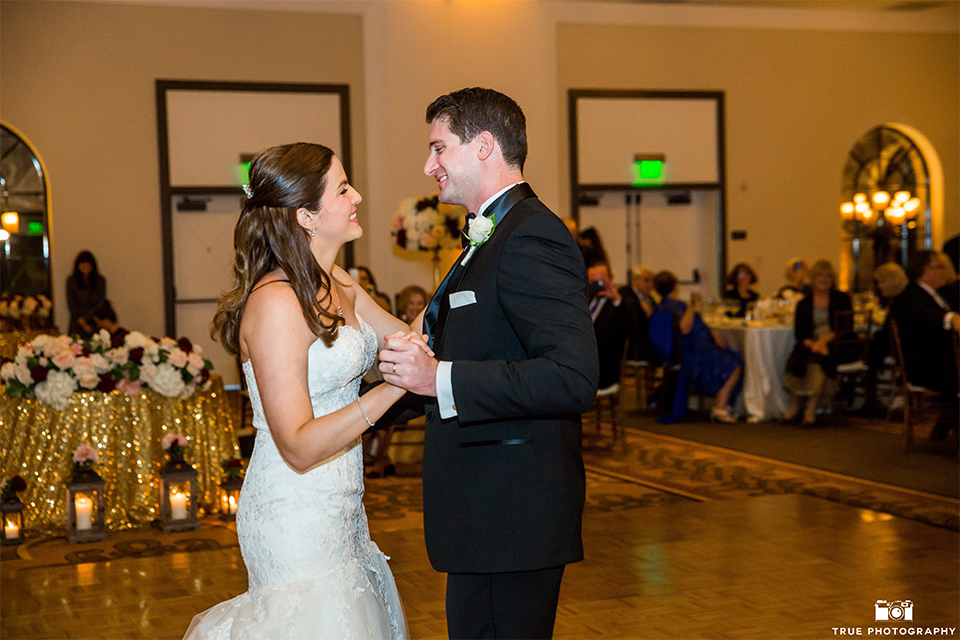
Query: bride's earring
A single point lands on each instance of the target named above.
(313, 233)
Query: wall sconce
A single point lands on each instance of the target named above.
(10, 221)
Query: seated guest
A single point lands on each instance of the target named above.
(739, 288)
(383, 300)
(638, 303)
(592, 246)
(410, 302)
(950, 291)
(812, 365)
(928, 328)
(796, 275)
(890, 279)
(707, 368)
(609, 322)
(106, 318)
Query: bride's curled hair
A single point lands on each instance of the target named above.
(268, 237)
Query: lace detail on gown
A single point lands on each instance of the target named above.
(313, 571)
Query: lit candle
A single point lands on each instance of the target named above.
(233, 505)
(11, 529)
(178, 506)
(84, 508)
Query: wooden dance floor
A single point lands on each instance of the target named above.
(778, 566)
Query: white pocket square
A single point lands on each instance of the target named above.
(462, 299)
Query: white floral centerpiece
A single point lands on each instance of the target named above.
(426, 224)
(51, 368)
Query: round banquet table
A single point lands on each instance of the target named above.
(765, 346)
(37, 443)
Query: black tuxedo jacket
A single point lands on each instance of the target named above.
(503, 481)
(928, 350)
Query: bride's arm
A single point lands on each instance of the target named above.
(276, 338)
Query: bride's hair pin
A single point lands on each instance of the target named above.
(247, 190)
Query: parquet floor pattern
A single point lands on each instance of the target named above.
(657, 566)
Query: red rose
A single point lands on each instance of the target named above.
(107, 384)
(185, 344)
(136, 355)
(39, 374)
(17, 483)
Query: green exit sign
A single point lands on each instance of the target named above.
(648, 169)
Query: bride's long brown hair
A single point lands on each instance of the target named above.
(268, 237)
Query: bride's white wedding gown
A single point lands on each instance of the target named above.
(313, 570)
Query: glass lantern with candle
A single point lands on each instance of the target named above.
(12, 515)
(230, 488)
(11, 510)
(85, 513)
(178, 497)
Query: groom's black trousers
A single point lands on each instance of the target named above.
(521, 604)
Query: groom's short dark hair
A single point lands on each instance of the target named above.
(472, 111)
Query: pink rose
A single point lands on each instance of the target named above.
(64, 360)
(128, 386)
(178, 358)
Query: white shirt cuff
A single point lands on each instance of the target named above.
(448, 408)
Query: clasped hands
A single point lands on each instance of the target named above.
(408, 362)
(821, 346)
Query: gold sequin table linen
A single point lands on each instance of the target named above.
(37, 443)
(11, 341)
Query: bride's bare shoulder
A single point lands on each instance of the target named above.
(272, 307)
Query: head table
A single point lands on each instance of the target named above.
(37, 443)
(765, 345)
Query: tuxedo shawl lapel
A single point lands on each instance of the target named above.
(435, 317)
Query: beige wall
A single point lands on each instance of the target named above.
(78, 80)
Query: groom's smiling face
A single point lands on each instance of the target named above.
(452, 165)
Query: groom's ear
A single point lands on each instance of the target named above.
(487, 144)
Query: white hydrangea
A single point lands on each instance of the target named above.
(56, 389)
(167, 381)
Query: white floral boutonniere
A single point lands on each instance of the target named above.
(478, 231)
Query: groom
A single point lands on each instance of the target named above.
(515, 366)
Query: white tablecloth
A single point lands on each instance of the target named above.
(765, 350)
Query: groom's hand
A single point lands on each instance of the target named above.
(407, 362)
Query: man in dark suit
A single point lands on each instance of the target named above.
(608, 312)
(927, 329)
(639, 303)
(950, 292)
(515, 366)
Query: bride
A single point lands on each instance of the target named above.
(305, 333)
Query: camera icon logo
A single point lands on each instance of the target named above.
(894, 610)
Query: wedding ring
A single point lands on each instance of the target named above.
(394, 368)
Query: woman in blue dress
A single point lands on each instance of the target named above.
(708, 368)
